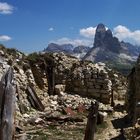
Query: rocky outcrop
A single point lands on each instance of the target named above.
(105, 39)
(81, 49)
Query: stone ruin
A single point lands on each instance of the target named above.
(89, 80)
(72, 77)
(78, 77)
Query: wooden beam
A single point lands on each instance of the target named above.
(92, 121)
(34, 99)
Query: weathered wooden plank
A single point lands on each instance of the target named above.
(8, 114)
(91, 122)
(112, 97)
(7, 104)
(2, 89)
(34, 99)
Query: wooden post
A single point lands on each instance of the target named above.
(112, 97)
(91, 122)
(34, 99)
(7, 106)
(50, 73)
(51, 82)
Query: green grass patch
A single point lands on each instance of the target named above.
(101, 127)
(40, 135)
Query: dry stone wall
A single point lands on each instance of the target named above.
(88, 79)
(91, 81)
(119, 85)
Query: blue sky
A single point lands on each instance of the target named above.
(29, 25)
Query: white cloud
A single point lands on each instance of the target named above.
(74, 42)
(51, 29)
(123, 33)
(5, 38)
(5, 8)
(87, 39)
(88, 32)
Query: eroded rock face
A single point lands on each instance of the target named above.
(105, 39)
(100, 35)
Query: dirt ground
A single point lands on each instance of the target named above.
(111, 129)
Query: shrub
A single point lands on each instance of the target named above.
(33, 57)
(11, 51)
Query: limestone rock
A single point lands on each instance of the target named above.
(59, 89)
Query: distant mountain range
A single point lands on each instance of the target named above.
(79, 51)
(66, 48)
(106, 48)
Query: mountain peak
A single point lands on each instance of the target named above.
(108, 49)
(105, 39)
(99, 35)
(100, 28)
(109, 33)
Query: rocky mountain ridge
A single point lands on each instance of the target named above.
(78, 51)
(53, 47)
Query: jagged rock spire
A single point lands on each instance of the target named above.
(105, 39)
(100, 28)
(99, 35)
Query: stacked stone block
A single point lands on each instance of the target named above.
(90, 81)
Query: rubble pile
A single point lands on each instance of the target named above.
(73, 101)
(133, 133)
(60, 112)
